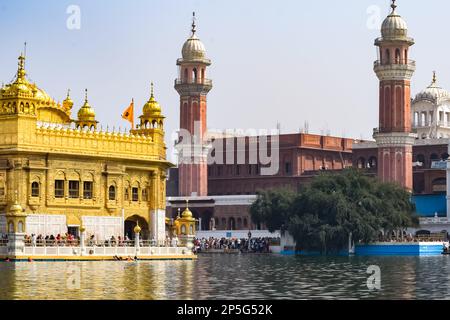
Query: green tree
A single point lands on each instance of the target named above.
(272, 207)
(323, 214)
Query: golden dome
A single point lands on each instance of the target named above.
(68, 102)
(22, 88)
(152, 107)
(86, 113)
(137, 229)
(186, 213)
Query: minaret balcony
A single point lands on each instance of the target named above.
(207, 82)
(403, 70)
(398, 64)
(193, 86)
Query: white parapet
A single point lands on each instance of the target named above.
(158, 225)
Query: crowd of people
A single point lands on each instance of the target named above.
(408, 237)
(69, 240)
(244, 245)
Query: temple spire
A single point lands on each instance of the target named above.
(393, 6)
(21, 73)
(194, 26)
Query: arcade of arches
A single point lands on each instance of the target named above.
(428, 175)
(216, 217)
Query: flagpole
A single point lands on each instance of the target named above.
(132, 122)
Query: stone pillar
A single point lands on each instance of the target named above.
(157, 211)
(137, 231)
(16, 224)
(82, 241)
(16, 244)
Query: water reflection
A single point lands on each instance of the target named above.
(229, 277)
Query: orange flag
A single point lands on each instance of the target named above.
(128, 114)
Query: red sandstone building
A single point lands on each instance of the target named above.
(221, 193)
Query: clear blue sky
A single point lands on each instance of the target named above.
(286, 61)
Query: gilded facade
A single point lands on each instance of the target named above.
(67, 173)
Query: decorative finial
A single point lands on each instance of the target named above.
(393, 5)
(152, 90)
(68, 93)
(187, 203)
(86, 95)
(179, 210)
(21, 69)
(434, 77)
(193, 23)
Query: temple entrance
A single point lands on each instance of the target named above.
(131, 222)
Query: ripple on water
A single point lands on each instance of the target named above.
(229, 277)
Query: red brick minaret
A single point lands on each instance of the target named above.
(394, 70)
(193, 87)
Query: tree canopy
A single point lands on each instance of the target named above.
(323, 214)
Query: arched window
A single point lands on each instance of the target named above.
(194, 75)
(35, 189)
(191, 230)
(232, 224)
(420, 158)
(406, 56)
(185, 75)
(361, 163)
(372, 162)
(135, 194)
(216, 222)
(434, 157)
(144, 194)
(11, 227)
(112, 193)
(203, 74)
(397, 56)
(183, 229)
(127, 194)
(388, 57)
(20, 228)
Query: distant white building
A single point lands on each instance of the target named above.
(431, 112)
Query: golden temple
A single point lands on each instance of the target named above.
(68, 174)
